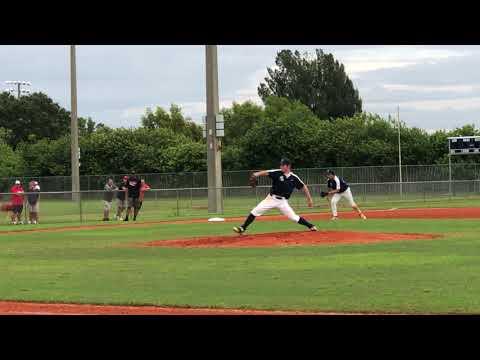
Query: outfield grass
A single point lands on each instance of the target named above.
(65, 211)
(96, 266)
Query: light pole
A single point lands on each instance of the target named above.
(18, 87)
(399, 152)
(214, 156)
(75, 153)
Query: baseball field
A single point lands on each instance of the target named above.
(407, 259)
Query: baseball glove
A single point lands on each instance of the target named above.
(323, 193)
(253, 181)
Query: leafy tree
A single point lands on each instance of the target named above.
(11, 162)
(290, 132)
(33, 117)
(239, 119)
(87, 126)
(47, 157)
(174, 121)
(186, 157)
(319, 82)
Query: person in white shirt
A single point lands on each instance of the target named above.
(339, 189)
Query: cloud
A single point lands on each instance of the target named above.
(436, 86)
(459, 88)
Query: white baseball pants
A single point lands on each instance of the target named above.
(347, 194)
(271, 202)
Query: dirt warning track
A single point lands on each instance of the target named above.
(32, 308)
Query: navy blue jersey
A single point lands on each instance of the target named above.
(283, 185)
(337, 184)
(134, 186)
(121, 191)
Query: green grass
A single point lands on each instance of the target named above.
(98, 266)
(90, 211)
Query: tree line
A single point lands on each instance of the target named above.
(311, 113)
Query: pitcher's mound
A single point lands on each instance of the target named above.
(290, 239)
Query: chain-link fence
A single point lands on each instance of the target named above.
(165, 204)
(365, 174)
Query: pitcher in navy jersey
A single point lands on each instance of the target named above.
(284, 182)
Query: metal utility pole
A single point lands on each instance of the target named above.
(214, 155)
(449, 170)
(399, 152)
(74, 127)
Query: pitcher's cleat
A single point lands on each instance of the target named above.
(313, 228)
(334, 218)
(238, 229)
(363, 217)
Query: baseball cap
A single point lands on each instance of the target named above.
(17, 182)
(330, 172)
(125, 177)
(285, 161)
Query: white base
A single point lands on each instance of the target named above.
(216, 219)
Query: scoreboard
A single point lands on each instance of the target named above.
(464, 145)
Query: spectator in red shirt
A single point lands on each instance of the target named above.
(17, 202)
(143, 188)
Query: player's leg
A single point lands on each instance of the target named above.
(129, 208)
(333, 205)
(136, 208)
(37, 212)
(105, 211)
(20, 212)
(139, 207)
(287, 210)
(14, 215)
(349, 196)
(265, 205)
(120, 208)
(30, 213)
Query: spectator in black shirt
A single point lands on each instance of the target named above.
(32, 202)
(133, 193)
(284, 182)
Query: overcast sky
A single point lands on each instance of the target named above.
(436, 87)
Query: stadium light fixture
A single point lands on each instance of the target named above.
(18, 84)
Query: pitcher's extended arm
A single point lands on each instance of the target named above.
(308, 196)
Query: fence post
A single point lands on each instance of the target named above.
(25, 207)
(191, 198)
(178, 209)
(80, 204)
